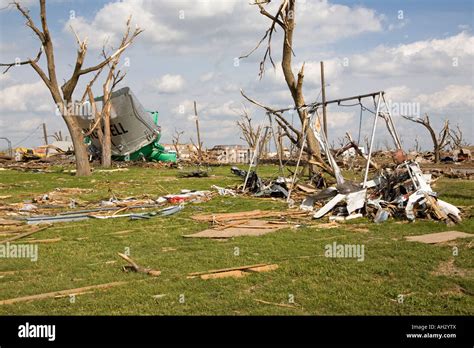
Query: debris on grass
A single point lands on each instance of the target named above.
(440, 237)
(62, 293)
(234, 272)
(293, 306)
(133, 266)
(241, 228)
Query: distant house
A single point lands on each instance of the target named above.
(232, 153)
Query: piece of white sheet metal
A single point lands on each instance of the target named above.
(449, 209)
(329, 206)
(356, 200)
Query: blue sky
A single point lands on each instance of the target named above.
(178, 60)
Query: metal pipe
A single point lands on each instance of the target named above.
(372, 141)
(316, 105)
(256, 150)
(303, 134)
(393, 130)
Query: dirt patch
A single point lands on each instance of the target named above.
(455, 290)
(449, 269)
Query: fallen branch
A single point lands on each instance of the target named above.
(137, 268)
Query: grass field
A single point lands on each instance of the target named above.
(432, 280)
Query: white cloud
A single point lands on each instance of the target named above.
(339, 119)
(398, 93)
(108, 25)
(169, 83)
(333, 21)
(207, 77)
(26, 97)
(452, 55)
(451, 97)
(181, 22)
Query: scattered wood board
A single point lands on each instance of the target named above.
(42, 241)
(306, 188)
(60, 293)
(234, 272)
(7, 222)
(34, 229)
(255, 214)
(248, 228)
(276, 304)
(441, 237)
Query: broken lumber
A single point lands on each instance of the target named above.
(276, 304)
(247, 228)
(53, 294)
(236, 272)
(133, 266)
(255, 214)
(441, 237)
(26, 234)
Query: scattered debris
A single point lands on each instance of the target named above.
(440, 237)
(294, 306)
(194, 174)
(254, 214)
(33, 229)
(245, 228)
(133, 266)
(235, 272)
(60, 293)
(223, 191)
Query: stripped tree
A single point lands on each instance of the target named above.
(63, 95)
(114, 77)
(284, 18)
(440, 141)
(176, 136)
(254, 136)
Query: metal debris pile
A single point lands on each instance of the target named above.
(403, 193)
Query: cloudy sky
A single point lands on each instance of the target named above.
(420, 52)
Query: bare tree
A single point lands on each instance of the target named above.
(62, 95)
(284, 18)
(114, 77)
(457, 138)
(252, 133)
(176, 136)
(440, 141)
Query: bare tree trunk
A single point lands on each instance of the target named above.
(80, 150)
(440, 141)
(285, 18)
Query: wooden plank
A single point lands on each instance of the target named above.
(228, 269)
(42, 241)
(61, 293)
(26, 234)
(276, 304)
(233, 274)
(434, 238)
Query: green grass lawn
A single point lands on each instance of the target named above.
(431, 278)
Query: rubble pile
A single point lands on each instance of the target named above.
(403, 193)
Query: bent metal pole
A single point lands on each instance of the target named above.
(372, 140)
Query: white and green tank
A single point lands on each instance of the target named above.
(134, 131)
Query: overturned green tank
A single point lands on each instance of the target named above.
(134, 131)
